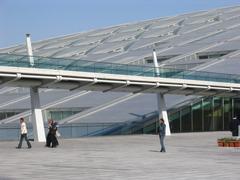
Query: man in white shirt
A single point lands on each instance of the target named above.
(23, 134)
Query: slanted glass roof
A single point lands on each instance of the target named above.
(123, 43)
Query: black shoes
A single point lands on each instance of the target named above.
(20, 147)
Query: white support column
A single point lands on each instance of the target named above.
(162, 110)
(37, 118)
(155, 61)
(29, 49)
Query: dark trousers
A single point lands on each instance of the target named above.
(235, 132)
(51, 140)
(21, 140)
(48, 140)
(161, 137)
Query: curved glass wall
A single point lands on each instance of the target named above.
(208, 114)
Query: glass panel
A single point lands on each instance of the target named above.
(56, 115)
(207, 114)
(2, 115)
(48, 115)
(149, 72)
(236, 107)
(174, 120)
(186, 119)
(218, 114)
(123, 69)
(9, 114)
(79, 130)
(103, 68)
(66, 114)
(149, 128)
(197, 116)
(92, 128)
(65, 131)
(227, 113)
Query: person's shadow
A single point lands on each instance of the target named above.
(154, 151)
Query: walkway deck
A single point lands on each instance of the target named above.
(189, 156)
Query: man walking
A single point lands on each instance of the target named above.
(162, 133)
(23, 134)
(233, 126)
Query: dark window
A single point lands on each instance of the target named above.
(186, 119)
(217, 114)
(174, 119)
(207, 114)
(236, 106)
(211, 55)
(227, 113)
(197, 116)
(203, 57)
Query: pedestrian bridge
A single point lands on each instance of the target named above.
(47, 72)
(56, 73)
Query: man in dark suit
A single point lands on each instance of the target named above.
(233, 126)
(162, 133)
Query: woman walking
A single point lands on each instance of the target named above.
(51, 136)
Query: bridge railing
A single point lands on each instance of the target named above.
(113, 68)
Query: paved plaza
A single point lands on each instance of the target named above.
(188, 156)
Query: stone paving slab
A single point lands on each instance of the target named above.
(189, 156)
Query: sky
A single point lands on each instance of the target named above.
(51, 18)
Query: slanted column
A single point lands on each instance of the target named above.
(37, 118)
(155, 61)
(29, 49)
(162, 109)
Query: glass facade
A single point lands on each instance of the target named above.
(208, 114)
(56, 114)
(8, 113)
(60, 114)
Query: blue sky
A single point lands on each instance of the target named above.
(50, 18)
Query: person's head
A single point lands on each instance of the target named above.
(161, 121)
(21, 120)
(50, 121)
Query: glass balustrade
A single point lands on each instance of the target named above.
(113, 68)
